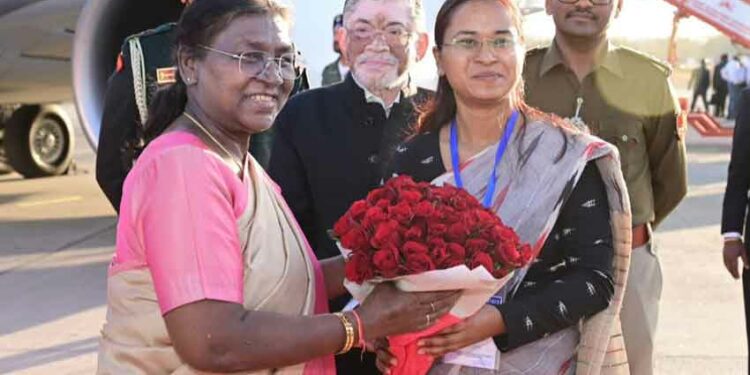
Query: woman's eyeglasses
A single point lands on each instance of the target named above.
(474, 45)
(255, 63)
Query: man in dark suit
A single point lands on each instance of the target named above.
(735, 216)
(719, 97)
(332, 144)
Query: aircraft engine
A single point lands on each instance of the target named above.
(102, 27)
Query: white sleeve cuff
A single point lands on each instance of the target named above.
(732, 236)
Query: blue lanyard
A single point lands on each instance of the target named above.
(509, 126)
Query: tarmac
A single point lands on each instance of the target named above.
(57, 237)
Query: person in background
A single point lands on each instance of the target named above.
(734, 73)
(699, 82)
(627, 99)
(333, 143)
(719, 96)
(337, 70)
(735, 219)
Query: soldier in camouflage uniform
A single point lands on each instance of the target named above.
(145, 64)
(625, 98)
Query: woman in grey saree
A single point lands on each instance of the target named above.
(560, 188)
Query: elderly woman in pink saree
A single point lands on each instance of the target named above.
(211, 271)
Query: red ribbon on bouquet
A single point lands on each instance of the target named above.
(404, 348)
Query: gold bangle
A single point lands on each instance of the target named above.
(349, 329)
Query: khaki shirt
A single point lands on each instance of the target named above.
(628, 101)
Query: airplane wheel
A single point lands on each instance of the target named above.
(37, 145)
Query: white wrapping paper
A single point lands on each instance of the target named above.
(478, 285)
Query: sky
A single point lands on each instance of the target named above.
(314, 19)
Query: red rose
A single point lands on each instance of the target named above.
(457, 232)
(410, 196)
(373, 217)
(438, 250)
(355, 240)
(415, 232)
(456, 255)
(436, 229)
(358, 268)
(424, 209)
(386, 261)
(511, 255)
(358, 209)
(476, 244)
(459, 203)
(343, 225)
(419, 262)
(447, 214)
(380, 194)
(482, 259)
(412, 247)
(383, 203)
(401, 212)
(501, 272)
(466, 200)
(386, 233)
(484, 216)
(470, 219)
(400, 182)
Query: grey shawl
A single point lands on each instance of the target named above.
(540, 168)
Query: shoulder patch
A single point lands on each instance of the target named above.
(538, 50)
(165, 76)
(638, 57)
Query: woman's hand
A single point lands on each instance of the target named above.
(384, 359)
(486, 323)
(388, 311)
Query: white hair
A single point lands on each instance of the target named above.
(417, 12)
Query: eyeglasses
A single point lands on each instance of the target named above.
(474, 45)
(255, 63)
(396, 36)
(593, 2)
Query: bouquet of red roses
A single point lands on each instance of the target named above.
(427, 238)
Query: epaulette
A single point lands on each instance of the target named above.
(156, 31)
(538, 50)
(159, 30)
(643, 59)
(152, 42)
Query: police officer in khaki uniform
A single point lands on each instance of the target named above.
(625, 98)
(145, 65)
